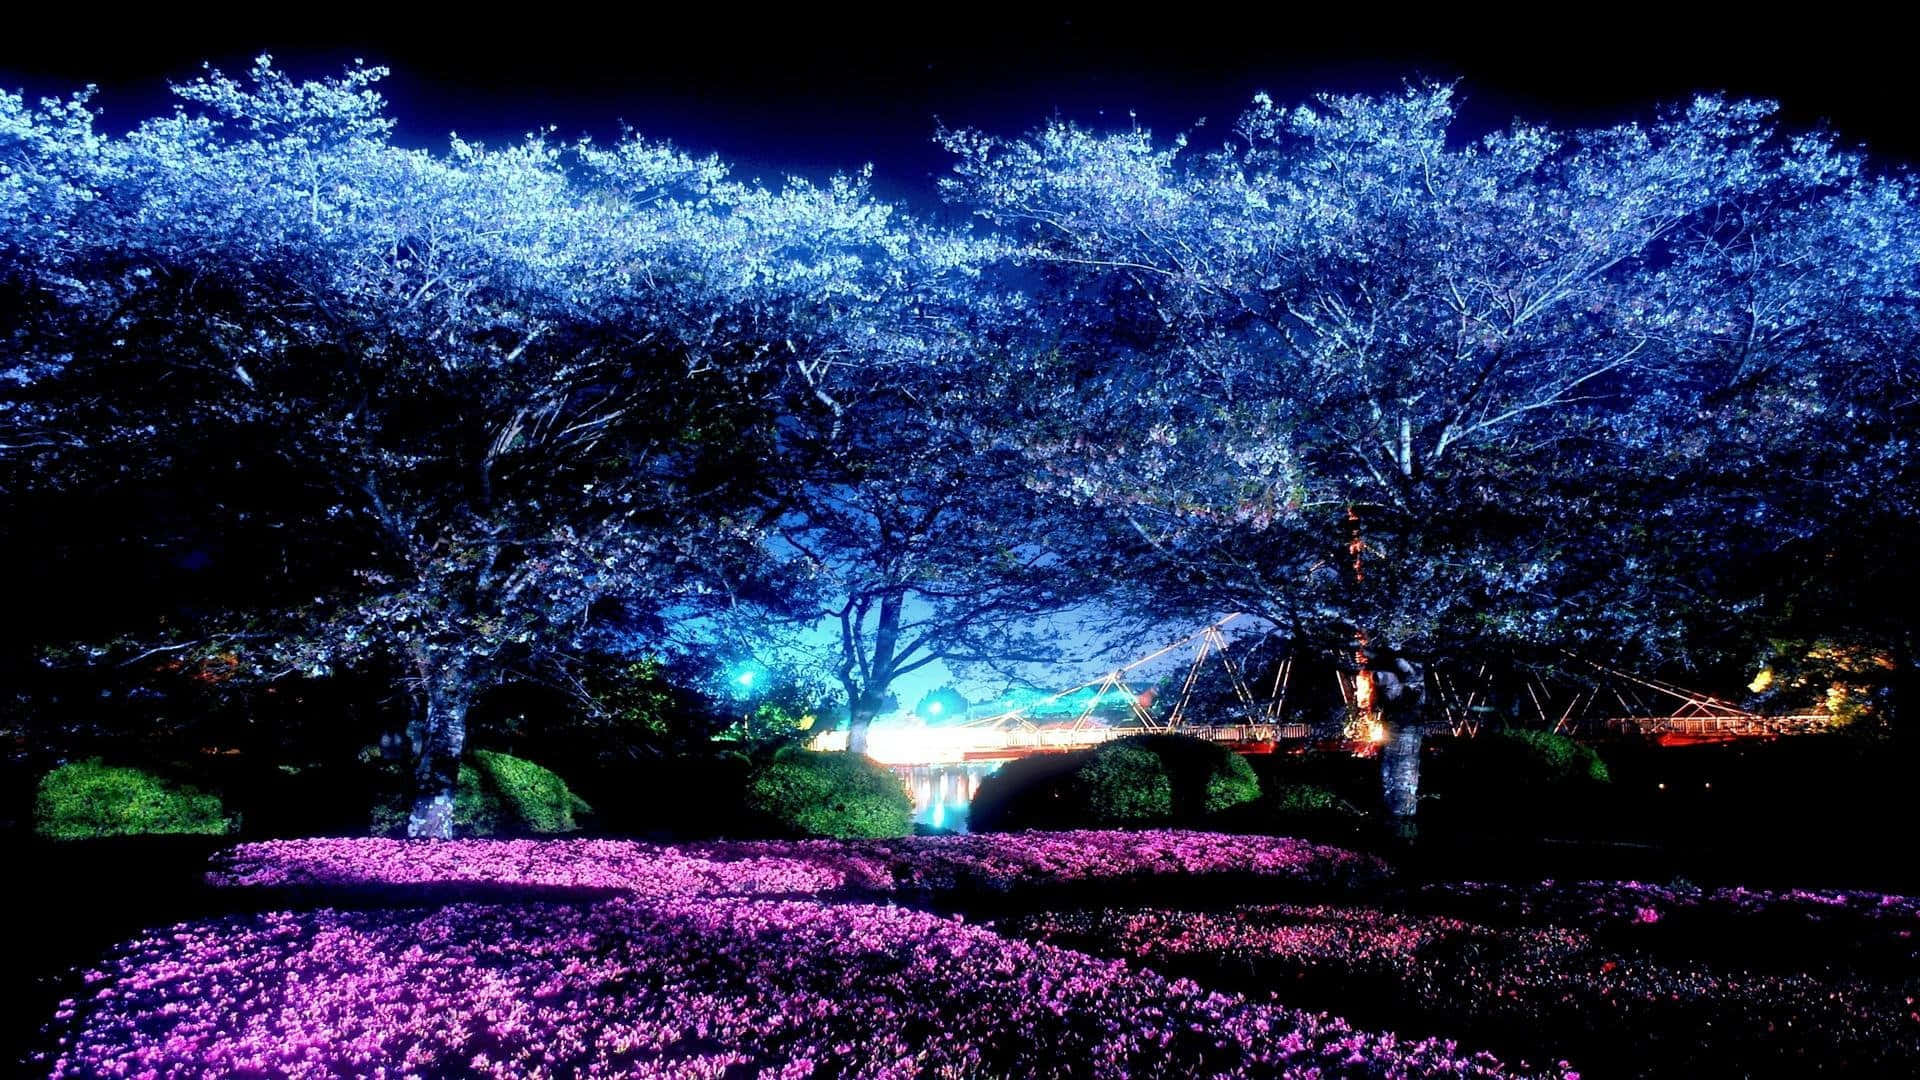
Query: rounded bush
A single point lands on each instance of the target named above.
(813, 793)
(1206, 778)
(1122, 785)
(1137, 780)
(684, 797)
(1546, 757)
(86, 799)
(1535, 768)
(534, 795)
(1307, 800)
(496, 794)
(1026, 793)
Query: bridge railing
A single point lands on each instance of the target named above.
(1797, 724)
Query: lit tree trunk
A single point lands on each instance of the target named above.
(438, 738)
(1402, 698)
(859, 718)
(865, 699)
(1400, 769)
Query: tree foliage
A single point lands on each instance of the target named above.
(289, 398)
(1475, 358)
(1137, 780)
(1404, 392)
(913, 530)
(486, 402)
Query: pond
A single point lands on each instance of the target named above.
(942, 793)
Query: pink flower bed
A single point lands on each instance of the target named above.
(645, 870)
(1540, 987)
(1882, 921)
(1311, 935)
(684, 987)
(791, 868)
(1003, 861)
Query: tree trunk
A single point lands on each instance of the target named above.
(859, 719)
(439, 738)
(1402, 690)
(1400, 770)
(867, 698)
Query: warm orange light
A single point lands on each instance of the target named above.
(1376, 732)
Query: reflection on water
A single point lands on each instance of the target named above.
(942, 793)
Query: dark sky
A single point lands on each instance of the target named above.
(816, 93)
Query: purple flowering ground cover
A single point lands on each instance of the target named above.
(816, 958)
(678, 988)
(1877, 930)
(989, 864)
(695, 969)
(1550, 981)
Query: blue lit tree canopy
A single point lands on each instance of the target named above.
(502, 395)
(1407, 394)
(1396, 390)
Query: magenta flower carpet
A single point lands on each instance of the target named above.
(358, 957)
(722, 960)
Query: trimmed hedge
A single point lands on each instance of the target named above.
(814, 793)
(1122, 785)
(1206, 778)
(1539, 771)
(497, 793)
(536, 795)
(1028, 792)
(1544, 757)
(86, 799)
(1306, 800)
(1137, 780)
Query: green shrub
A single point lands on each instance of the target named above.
(1025, 793)
(1307, 800)
(1546, 757)
(1121, 785)
(1137, 780)
(1205, 777)
(495, 794)
(86, 799)
(535, 795)
(477, 809)
(812, 793)
(1535, 768)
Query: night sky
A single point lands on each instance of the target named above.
(823, 92)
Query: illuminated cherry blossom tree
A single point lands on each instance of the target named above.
(495, 398)
(1410, 394)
